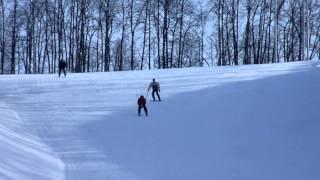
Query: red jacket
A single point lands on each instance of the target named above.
(141, 101)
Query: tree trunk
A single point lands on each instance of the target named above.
(13, 39)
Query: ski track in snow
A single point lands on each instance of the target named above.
(59, 110)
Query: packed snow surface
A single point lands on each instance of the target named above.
(232, 123)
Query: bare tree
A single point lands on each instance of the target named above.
(2, 38)
(14, 38)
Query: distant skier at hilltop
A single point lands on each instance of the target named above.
(155, 89)
(62, 67)
(142, 104)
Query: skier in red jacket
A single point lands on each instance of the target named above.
(142, 104)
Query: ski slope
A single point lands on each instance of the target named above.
(245, 123)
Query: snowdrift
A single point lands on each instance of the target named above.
(23, 156)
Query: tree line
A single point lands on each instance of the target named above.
(118, 35)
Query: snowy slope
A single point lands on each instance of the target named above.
(24, 156)
(248, 122)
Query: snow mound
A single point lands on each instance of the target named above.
(24, 157)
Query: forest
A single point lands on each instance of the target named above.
(122, 35)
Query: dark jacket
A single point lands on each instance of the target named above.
(155, 86)
(62, 64)
(141, 101)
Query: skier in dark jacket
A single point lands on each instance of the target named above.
(142, 104)
(62, 67)
(155, 89)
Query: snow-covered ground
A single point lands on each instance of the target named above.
(24, 156)
(245, 123)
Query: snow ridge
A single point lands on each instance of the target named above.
(24, 156)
